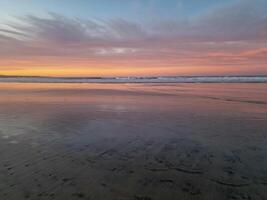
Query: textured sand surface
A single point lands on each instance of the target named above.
(133, 141)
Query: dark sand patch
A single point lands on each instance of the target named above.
(134, 147)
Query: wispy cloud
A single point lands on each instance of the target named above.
(235, 35)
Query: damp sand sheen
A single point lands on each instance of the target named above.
(146, 141)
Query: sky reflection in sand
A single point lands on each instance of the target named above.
(133, 141)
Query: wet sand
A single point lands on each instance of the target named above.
(133, 141)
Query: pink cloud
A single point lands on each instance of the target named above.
(232, 36)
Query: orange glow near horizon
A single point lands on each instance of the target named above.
(118, 71)
(249, 62)
(80, 71)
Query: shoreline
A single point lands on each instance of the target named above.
(196, 79)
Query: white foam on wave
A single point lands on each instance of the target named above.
(178, 79)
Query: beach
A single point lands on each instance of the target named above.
(138, 141)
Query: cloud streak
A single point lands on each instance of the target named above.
(233, 36)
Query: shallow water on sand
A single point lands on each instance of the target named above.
(133, 141)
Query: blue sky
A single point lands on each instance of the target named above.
(133, 37)
(135, 10)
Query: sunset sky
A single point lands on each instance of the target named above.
(133, 37)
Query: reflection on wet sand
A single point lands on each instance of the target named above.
(133, 141)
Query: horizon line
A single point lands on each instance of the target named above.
(106, 77)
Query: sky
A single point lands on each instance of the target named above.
(133, 37)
